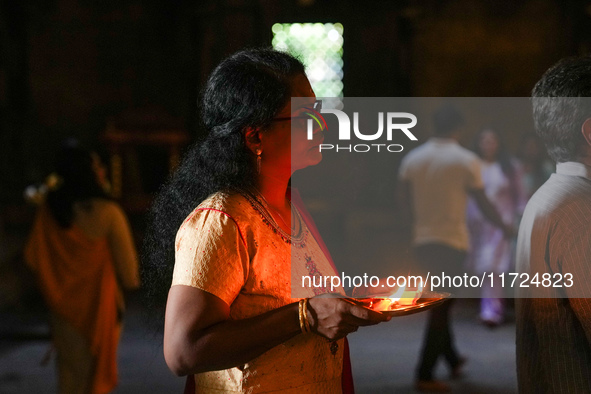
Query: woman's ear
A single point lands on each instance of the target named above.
(586, 130)
(252, 138)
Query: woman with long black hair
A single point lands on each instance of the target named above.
(225, 232)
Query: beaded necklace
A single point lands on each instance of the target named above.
(258, 202)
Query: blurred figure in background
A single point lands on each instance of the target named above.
(436, 180)
(82, 252)
(490, 250)
(536, 167)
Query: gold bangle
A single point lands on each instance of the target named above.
(301, 315)
(305, 313)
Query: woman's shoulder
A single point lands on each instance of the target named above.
(232, 203)
(103, 207)
(224, 206)
(219, 213)
(222, 200)
(99, 215)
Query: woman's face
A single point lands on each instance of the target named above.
(288, 149)
(489, 145)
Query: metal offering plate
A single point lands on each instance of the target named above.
(428, 300)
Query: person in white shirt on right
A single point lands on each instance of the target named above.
(553, 319)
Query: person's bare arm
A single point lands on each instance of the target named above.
(123, 249)
(490, 212)
(200, 337)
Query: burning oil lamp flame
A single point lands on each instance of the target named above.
(403, 296)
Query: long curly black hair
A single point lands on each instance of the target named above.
(245, 90)
(78, 182)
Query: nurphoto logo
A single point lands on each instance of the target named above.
(393, 124)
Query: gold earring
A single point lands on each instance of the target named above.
(258, 152)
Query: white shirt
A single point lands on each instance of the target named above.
(441, 173)
(554, 329)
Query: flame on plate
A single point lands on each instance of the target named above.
(403, 296)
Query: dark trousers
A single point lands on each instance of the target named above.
(439, 339)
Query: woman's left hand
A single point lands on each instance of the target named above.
(334, 318)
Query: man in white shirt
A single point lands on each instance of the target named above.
(435, 181)
(554, 316)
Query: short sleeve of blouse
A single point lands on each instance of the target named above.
(211, 254)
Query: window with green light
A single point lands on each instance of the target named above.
(320, 47)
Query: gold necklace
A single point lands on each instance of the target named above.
(277, 212)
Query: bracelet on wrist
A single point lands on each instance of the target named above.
(303, 315)
(305, 310)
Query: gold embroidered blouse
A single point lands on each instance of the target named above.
(231, 247)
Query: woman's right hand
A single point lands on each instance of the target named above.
(334, 318)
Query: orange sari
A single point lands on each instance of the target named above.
(77, 278)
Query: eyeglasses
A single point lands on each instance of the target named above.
(316, 108)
